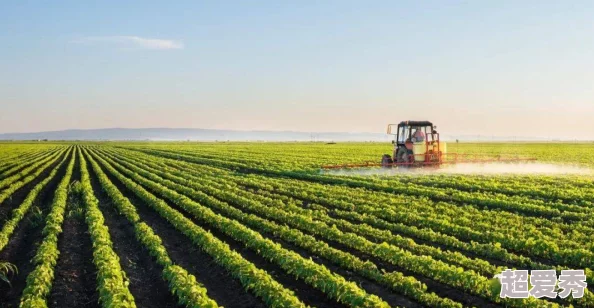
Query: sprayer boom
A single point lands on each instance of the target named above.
(417, 144)
(451, 159)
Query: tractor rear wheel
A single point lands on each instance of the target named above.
(387, 161)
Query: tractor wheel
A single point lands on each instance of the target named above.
(401, 155)
(387, 161)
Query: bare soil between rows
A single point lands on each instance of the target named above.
(23, 243)
(75, 274)
(226, 290)
(147, 285)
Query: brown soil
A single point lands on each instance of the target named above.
(24, 241)
(222, 287)
(146, 282)
(75, 274)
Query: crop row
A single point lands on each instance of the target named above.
(560, 250)
(549, 193)
(39, 281)
(481, 195)
(13, 163)
(182, 284)
(253, 279)
(10, 165)
(26, 175)
(476, 214)
(23, 165)
(496, 201)
(397, 281)
(19, 213)
(437, 270)
(532, 189)
(335, 286)
(570, 251)
(218, 185)
(112, 283)
(521, 260)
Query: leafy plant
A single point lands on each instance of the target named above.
(75, 208)
(39, 281)
(36, 218)
(7, 270)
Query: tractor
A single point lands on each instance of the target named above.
(417, 144)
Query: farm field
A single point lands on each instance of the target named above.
(188, 224)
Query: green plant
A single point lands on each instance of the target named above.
(75, 208)
(36, 218)
(6, 270)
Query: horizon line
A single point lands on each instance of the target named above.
(479, 137)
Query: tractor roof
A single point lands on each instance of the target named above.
(416, 123)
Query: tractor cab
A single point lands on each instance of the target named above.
(414, 142)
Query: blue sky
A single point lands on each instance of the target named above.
(473, 67)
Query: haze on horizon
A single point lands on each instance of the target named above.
(494, 68)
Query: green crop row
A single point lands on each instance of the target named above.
(567, 251)
(10, 165)
(112, 283)
(32, 167)
(181, 283)
(19, 213)
(408, 286)
(486, 250)
(23, 178)
(335, 286)
(218, 194)
(253, 279)
(18, 162)
(39, 281)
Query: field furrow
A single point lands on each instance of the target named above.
(124, 224)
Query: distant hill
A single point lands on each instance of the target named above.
(198, 134)
(195, 134)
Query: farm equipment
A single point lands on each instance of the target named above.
(417, 144)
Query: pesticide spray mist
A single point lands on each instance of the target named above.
(473, 169)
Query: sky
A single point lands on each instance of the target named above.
(491, 68)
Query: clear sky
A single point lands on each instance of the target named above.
(500, 68)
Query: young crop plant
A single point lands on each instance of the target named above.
(182, 284)
(111, 279)
(254, 280)
(19, 213)
(39, 281)
(7, 270)
(246, 224)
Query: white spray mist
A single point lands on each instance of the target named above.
(474, 168)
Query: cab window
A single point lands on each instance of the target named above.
(403, 133)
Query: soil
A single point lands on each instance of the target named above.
(433, 286)
(75, 274)
(20, 194)
(370, 286)
(226, 290)
(147, 285)
(384, 293)
(24, 241)
(9, 164)
(27, 159)
(438, 288)
(422, 241)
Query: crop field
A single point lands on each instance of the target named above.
(190, 224)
